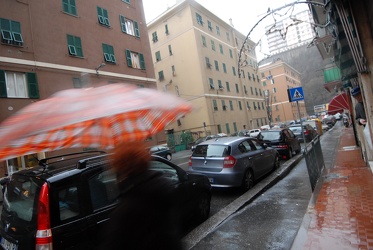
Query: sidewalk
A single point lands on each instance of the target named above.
(342, 217)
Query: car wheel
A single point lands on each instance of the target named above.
(248, 180)
(277, 162)
(290, 153)
(169, 157)
(204, 207)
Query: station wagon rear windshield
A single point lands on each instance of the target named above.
(21, 196)
(211, 151)
(271, 135)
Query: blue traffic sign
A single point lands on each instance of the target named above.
(296, 94)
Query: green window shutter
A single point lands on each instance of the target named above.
(137, 30)
(73, 7)
(78, 46)
(142, 61)
(122, 20)
(128, 57)
(2, 84)
(32, 84)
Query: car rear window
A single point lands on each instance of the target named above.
(276, 135)
(211, 151)
(21, 196)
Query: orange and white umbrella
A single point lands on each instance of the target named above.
(98, 117)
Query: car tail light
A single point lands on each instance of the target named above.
(190, 161)
(229, 162)
(281, 146)
(305, 132)
(44, 232)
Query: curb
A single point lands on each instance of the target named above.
(195, 236)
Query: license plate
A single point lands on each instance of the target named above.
(211, 180)
(8, 245)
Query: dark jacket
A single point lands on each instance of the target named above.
(360, 112)
(146, 217)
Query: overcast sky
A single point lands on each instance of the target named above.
(244, 13)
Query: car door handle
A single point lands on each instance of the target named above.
(250, 158)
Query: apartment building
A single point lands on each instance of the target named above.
(277, 77)
(290, 32)
(48, 46)
(195, 56)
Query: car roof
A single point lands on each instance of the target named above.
(224, 140)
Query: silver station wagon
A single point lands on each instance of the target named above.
(233, 161)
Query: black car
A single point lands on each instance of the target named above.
(283, 140)
(66, 201)
(162, 151)
(309, 132)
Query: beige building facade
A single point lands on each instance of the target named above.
(195, 56)
(277, 77)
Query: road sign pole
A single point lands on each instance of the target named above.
(301, 125)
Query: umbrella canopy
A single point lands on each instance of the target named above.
(338, 104)
(98, 117)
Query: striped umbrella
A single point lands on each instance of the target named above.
(98, 117)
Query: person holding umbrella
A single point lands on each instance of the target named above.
(359, 107)
(145, 217)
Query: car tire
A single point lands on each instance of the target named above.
(277, 162)
(289, 153)
(248, 180)
(169, 157)
(204, 207)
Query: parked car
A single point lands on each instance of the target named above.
(309, 132)
(233, 161)
(254, 132)
(162, 151)
(65, 202)
(283, 140)
(206, 138)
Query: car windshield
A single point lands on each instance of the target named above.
(211, 151)
(271, 135)
(295, 128)
(21, 196)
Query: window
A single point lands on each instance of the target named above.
(218, 30)
(237, 90)
(173, 70)
(221, 49)
(274, 90)
(18, 85)
(127, 1)
(208, 64)
(227, 127)
(228, 37)
(228, 87)
(69, 6)
(263, 76)
(253, 77)
(230, 53)
(103, 189)
(231, 105)
(258, 105)
(215, 105)
(212, 86)
(155, 37)
(248, 75)
(135, 60)
(68, 203)
(239, 105)
(103, 17)
(256, 91)
(170, 49)
(74, 46)
(209, 25)
(77, 83)
(109, 53)
(223, 105)
(235, 126)
(213, 45)
(216, 65)
(166, 29)
(199, 19)
(11, 32)
(219, 129)
(158, 56)
(160, 75)
(233, 70)
(251, 90)
(263, 105)
(224, 68)
(204, 41)
(129, 27)
(264, 84)
(248, 106)
(244, 89)
(220, 85)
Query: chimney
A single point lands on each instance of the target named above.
(231, 22)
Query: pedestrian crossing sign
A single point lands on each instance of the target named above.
(296, 94)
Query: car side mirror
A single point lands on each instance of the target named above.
(264, 146)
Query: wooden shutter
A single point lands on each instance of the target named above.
(32, 84)
(128, 57)
(137, 30)
(142, 61)
(3, 93)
